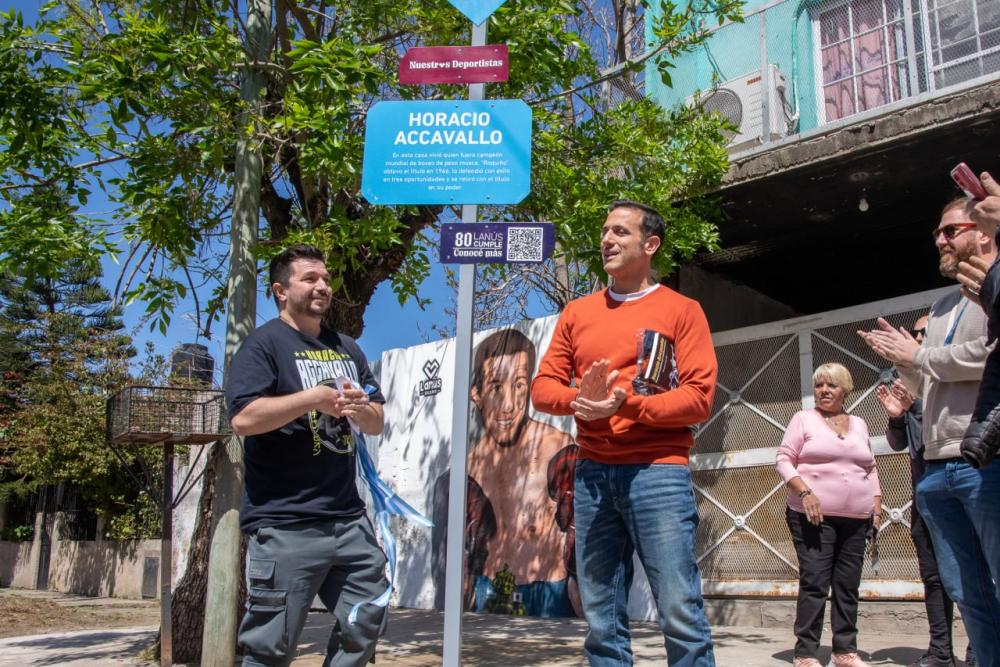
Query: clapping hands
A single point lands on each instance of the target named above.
(895, 398)
(971, 274)
(596, 397)
(895, 345)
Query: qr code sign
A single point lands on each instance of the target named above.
(524, 244)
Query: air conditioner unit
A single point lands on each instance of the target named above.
(740, 100)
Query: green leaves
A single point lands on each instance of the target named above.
(160, 295)
(677, 29)
(324, 103)
(636, 150)
(41, 234)
(139, 96)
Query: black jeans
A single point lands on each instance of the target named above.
(831, 556)
(940, 608)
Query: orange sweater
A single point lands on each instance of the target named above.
(646, 429)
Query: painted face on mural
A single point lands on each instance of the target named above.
(502, 398)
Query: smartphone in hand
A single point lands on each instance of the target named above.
(967, 180)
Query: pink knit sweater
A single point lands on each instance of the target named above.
(840, 472)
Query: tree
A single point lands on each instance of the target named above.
(607, 141)
(67, 354)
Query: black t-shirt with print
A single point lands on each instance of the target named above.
(289, 474)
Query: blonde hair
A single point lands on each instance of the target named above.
(836, 374)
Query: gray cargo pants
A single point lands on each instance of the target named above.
(287, 566)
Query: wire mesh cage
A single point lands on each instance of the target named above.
(144, 414)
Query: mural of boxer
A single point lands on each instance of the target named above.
(519, 536)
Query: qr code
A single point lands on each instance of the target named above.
(524, 244)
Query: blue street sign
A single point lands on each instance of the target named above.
(457, 152)
(477, 11)
(497, 242)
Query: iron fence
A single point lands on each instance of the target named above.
(743, 544)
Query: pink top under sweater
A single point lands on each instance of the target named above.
(840, 472)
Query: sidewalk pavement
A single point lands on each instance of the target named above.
(414, 640)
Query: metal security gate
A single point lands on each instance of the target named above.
(765, 377)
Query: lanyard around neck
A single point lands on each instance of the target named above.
(954, 324)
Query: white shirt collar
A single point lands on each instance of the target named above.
(633, 296)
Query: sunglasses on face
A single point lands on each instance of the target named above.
(918, 332)
(952, 230)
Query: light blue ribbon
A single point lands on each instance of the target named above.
(386, 502)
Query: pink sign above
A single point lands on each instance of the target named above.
(455, 64)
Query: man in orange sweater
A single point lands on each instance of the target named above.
(645, 367)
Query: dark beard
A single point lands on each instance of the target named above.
(304, 309)
(960, 255)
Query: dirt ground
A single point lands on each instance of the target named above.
(27, 612)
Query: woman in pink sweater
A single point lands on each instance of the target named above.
(833, 498)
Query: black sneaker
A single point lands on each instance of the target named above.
(930, 660)
(982, 440)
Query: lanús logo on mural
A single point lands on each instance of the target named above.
(432, 385)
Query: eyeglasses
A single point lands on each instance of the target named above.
(952, 230)
(918, 332)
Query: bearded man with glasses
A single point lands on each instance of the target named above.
(945, 372)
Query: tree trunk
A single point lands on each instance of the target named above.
(360, 284)
(188, 612)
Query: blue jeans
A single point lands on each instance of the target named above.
(961, 506)
(649, 509)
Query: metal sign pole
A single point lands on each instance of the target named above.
(455, 568)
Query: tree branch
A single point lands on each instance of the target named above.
(316, 12)
(80, 14)
(194, 294)
(284, 39)
(615, 70)
(308, 29)
(277, 209)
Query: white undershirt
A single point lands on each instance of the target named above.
(633, 296)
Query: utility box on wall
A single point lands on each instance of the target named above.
(741, 101)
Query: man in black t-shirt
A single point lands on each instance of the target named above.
(299, 393)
